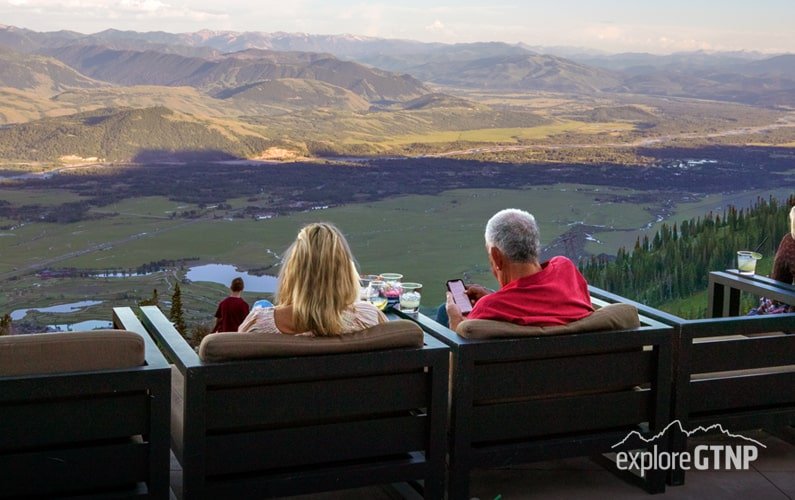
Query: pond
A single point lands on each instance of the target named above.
(91, 324)
(225, 273)
(60, 308)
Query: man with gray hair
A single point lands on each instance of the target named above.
(531, 293)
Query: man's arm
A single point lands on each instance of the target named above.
(453, 312)
(477, 292)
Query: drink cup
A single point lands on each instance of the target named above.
(746, 261)
(364, 284)
(376, 295)
(410, 297)
(392, 287)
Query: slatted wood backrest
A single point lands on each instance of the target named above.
(520, 399)
(515, 389)
(86, 433)
(309, 420)
(526, 393)
(739, 364)
(279, 426)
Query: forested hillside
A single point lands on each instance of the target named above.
(126, 134)
(675, 263)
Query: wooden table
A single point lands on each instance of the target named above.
(725, 287)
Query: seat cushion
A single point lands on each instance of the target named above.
(43, 353)
(232, 346)
(609, 317)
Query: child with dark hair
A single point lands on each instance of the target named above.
(232, 310)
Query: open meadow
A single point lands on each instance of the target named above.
(427, 238)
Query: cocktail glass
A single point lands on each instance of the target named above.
(746, 261)
(376, 294)
(364, 284)
(410, 297)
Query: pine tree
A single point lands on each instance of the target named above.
(153, 301)
(176, 315)
(5, 324)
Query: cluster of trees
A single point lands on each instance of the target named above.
(5, 324)
(177, 315)
(675, 263)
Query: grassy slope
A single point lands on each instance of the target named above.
(441, 124)
(428, 238)
(123, 134)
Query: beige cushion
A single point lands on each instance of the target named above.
(610, 317)
(41, 353)
(231, 346)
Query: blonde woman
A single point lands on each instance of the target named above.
(318, 290)
(784, 263)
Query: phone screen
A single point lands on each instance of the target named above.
(460, 298)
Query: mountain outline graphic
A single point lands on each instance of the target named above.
(700, 428)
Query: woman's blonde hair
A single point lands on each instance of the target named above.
(792, 221)
(318, 279)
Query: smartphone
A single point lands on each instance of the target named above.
(460, 298)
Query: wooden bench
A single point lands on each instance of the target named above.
(518, 400)
(291, 425)
(738, 372)
(83, 432)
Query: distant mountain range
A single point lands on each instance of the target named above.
(40, 73)
(216, 61)
(124, 58)
(229, 71)
(65, 94)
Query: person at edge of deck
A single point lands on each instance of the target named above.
(784, 262)
(531, 293)
(318, 291)
(232, 310)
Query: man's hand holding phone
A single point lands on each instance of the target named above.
(476, 292)
(460, 297)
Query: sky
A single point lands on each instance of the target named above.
(607, 25)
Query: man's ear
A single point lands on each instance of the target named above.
(497, 258)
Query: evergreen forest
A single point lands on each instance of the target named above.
(674, 265)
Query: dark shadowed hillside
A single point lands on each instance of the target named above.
(122, 134)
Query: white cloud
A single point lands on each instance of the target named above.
(655, 39)
(438, 28)
(369, 17)
(606, 32)
(143, 5)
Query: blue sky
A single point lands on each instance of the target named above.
(610, 25)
